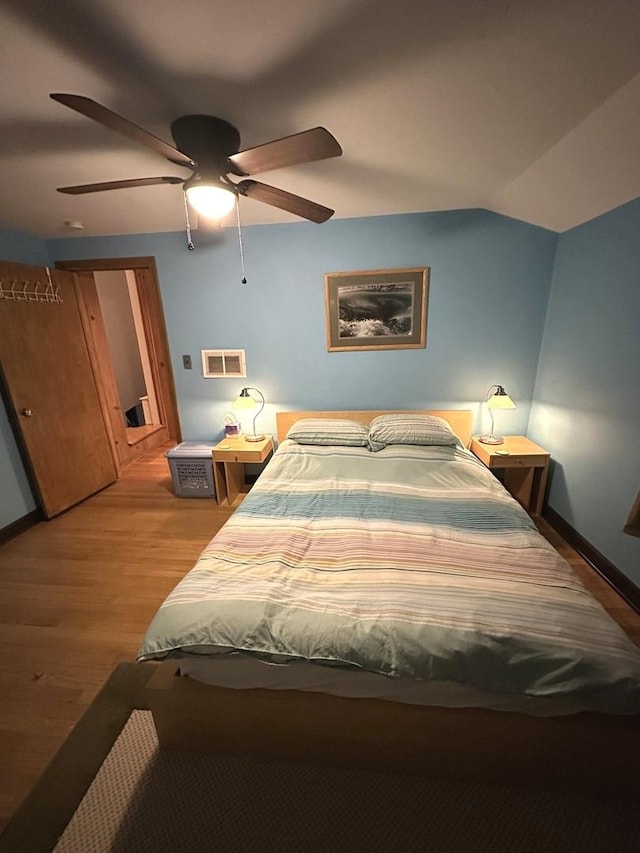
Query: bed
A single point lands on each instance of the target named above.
(383, 602)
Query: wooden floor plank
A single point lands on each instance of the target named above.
(77, 594)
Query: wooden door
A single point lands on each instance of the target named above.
(51, 390)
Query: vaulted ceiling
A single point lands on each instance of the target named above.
(529, 108)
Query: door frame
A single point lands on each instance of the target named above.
(148, 287)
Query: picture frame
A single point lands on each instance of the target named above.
(632, 526)
(377, 309)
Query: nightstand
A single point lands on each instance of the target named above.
(229, 457)
(525, 469)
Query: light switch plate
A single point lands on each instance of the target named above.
(186, 362)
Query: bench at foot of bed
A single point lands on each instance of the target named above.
(589, 753)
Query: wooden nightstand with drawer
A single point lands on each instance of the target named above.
(229, 457)
(524, 469)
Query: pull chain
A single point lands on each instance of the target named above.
(190, 245)
(244, 280)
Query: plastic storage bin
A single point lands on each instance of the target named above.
(191, 468)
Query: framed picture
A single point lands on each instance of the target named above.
(632, 527)
(377, 309)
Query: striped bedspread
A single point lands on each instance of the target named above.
(410, 562)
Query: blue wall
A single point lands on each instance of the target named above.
(16, 499)
(490, 278)
(22, 248)
(587, 397)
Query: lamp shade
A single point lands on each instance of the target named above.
(209, 198)
(499, 399)
(244, 400)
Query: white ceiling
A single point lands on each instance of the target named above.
(530, 108)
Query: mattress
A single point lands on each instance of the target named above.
(236, 671)
(411, 564)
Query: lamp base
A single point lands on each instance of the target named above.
(254, 438)
(491, 439)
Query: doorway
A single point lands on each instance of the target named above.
(122, 314)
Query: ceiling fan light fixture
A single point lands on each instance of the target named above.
(210, 199)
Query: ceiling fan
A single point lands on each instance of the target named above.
(208, 146)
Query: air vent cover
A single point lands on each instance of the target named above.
(218, 363)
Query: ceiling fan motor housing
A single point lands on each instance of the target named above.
(208, 140)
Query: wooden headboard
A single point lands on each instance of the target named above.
(460, 420)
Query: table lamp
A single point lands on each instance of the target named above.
(497, 398)
(245, 401)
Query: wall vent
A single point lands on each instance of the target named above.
(217, 363)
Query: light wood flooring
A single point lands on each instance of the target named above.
(76, 596)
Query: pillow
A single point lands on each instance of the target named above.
(409, 429)
(338, 431)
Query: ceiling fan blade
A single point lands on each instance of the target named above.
(285, 201)
(97, 112)
(305, 147)
(119, 185)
